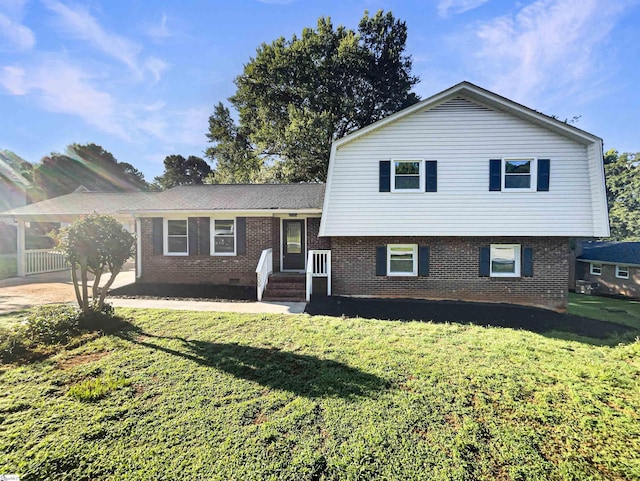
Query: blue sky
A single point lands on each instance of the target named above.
(141, 77)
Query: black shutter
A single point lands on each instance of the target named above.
(495, 174)
(204, 236)
(385, 176)
(431, 174)
(544, 167)
(423, 261)
(527, 262)
(156, 233)
(381, 261)
(192, 226)
(241, 236)
(485, 261)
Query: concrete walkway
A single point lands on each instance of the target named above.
(19, 293)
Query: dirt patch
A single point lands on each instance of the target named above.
(50, 291)
(482, 314)
(80, 359)
(186, 292)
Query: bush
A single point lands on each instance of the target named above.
(94, 389)
(11, 344)
(51, 324)
(98, 319)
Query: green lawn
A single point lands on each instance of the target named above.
(621, 311)
(200, 396)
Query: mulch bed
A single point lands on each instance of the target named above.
(186, 291)
(481, 314)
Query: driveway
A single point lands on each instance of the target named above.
(18, 293)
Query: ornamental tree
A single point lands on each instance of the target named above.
(95, 244)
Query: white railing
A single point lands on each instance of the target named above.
(264, 270)
(318, 265)
(38, 261)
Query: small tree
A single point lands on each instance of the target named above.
(95, 244)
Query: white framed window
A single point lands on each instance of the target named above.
(505, 260)
(622, 272)
(519, 174)
(223, 237)
(407, 176)
(402, 260)
(595, 269)
(176, 238)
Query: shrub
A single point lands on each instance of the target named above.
(94, 389)
(11, 344)
(52, 324)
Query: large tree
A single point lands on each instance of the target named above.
(623, 194)
(88, 165)
(297, 96)
(181, 171)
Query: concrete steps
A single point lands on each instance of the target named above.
(287, 287)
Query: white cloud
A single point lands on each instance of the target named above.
(12, 79)
(159, 31)
(445, 7)
(549, 45)
(17, 36)
(80, 24)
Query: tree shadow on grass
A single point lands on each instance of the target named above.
(541, 321)
(303, 375)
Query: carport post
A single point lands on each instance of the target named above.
(20, 254)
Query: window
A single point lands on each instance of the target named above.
(622, 272)
(595, 269)
(177, 238)
(407, 176)
(402, 260)
(518, 174)
(224, 238)
(505, 260)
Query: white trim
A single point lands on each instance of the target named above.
(518, 260)
(618, 275)
(591, 266)
(414, 271)
(306, 242)
(421, 175)
(212, 237)
(138, 248)
(179, 214)
(165, 237)
(533, 174)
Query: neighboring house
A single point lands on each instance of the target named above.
(465, 196)
(613, 267)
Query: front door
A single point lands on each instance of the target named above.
(293, 244)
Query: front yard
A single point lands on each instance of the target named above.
(254, 397)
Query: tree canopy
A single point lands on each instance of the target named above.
(623, 194)
(89, 165)
(296, 96)
(181, 171)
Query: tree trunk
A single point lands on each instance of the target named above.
(96, 284)
(76, 288)
(105, 289)
(85, 289)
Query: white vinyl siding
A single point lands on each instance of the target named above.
(463, 136)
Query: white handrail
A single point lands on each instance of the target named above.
(38, 261)
(263, 271)
(318, 265)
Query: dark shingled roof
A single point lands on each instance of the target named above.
(612, 252)
(81, 203)
(200, 198)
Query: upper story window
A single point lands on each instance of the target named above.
(223, 237)
(622, 272)
(519, 174)
(407, 176)
(176, 242)
(505, 260)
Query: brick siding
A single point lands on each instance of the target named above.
(607, 281)
(315, 242)
(453, 271)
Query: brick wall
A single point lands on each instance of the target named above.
(453, 271)
(315, 242)
(607, 281)
(204, 268)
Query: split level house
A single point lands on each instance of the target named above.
(608, 268)
(465, 195)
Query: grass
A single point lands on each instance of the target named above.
(270, 397)
(622, 311)
(12, 319)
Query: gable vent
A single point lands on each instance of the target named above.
(458, 104)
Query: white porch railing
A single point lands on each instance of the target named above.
(38, 261)
(264, 270)
(318, 265)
